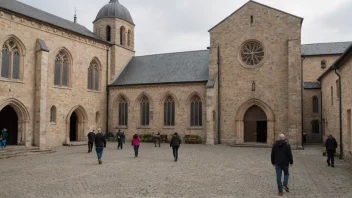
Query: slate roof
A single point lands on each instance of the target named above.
(28, 11)
(311, 85)
(324, 48)
(165, 68)
(114, 10)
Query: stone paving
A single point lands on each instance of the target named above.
(202, 171)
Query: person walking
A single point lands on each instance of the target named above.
(4, 136)
(100, 144)
(281, 157)
(91, 137)
(157, 139)
(175, 144)
(331, 146)
(135, 144)
(119, 139)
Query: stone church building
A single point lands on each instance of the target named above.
(59, 79)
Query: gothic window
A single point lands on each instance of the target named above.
(196, 112)
(61, 69)
(169, 112)
(123, 112)
(122, 35)
(315, 104)
(53, 114)
(323, 64)
(145, 111)
(129, 38)
(93, 76)
(10, 61)
(108, 33)
(252, 53)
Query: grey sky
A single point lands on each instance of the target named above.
(181, 25)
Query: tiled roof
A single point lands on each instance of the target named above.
(311, 85)
(324, 48)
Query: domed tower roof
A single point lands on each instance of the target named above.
(114, 10)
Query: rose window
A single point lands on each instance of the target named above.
(252, 53)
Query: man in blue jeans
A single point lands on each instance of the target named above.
(100, 144)
(4, 136)
(281, 158)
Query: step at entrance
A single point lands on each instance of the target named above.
(15, 151)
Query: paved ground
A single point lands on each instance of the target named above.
(202, 171)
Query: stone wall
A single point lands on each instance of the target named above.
(156, 94)
(309, 115)
(312, 69)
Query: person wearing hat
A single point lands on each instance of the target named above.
(100, 144)
(175, 144)
(4, 136)
(91, 136)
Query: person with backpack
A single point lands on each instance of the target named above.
(331, 145)
(175, 144)
(135, 144)
(119, 137)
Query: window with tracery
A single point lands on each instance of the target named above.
(61, 70)
(196, 112)
(169, 112)
(123, 112)
(93, 76)
(10, 60)
(145, 111)
(252, 53)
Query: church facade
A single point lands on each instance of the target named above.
(59, 79)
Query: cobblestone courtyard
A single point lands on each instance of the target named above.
(202, 171)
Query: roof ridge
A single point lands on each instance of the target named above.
(172, 53)
(328, 43)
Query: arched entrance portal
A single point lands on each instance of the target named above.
(73, 127)
(9, 120)
(255, 125)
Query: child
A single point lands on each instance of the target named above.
(135, 144)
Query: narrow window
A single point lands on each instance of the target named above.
(90, 76)
(337, 89)
(129, 38)
(145, 111)
(196, 112)
(10, 61)
(5, 62)
(349, 132)
(332, 95)
(315, 104)
(93, 76)
(169, 112)
(16, 65)
(323, 64)
(122, 35)
(108, 33)
(251, 19)
(57, 72)
(53, 114)
(96, 79)
(123, 112)
(61, 75)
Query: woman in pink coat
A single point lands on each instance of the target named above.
(135, 144)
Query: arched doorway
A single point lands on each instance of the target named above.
(255, 125)
(73, 127)
(9, 120)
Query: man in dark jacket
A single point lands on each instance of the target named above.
(331, 146)
(281, 157)
(91, 136)
(175, 144)
(119, 137)
(100, 144)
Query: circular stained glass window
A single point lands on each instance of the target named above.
(252, 53)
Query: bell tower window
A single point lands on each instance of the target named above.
(108, 33)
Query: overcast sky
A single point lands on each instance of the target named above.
(182, 25)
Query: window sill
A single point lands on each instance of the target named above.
(58, 87)
(143, 127)
(11, 80)
(122, 127)
(169, 127)
(53, 123)
(94, 91)
(195, 128)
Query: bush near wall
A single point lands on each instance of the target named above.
(146, 138)
(193, 139)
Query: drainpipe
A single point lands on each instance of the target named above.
(107, 91)
(302, 89)
(340, 109)
(219, 95)
(321, 116)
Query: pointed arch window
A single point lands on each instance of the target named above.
(196, 112)
(93, 76)
(61, 70)
(108, 33)
(169, 112)
(129, 38)
(315, 104)
(123, 112)
(53, 114)
(145, 111)
(10, 60)
(122, 35)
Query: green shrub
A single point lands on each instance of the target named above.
(193, 139)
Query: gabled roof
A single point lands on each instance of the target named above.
(180, 67)
(42, 16)
(311, 85)
(258, 4)
(316, 49)
(338, 62)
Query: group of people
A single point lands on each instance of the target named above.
(99, 140)
(281, 159)
(3, 138)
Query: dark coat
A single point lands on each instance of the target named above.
(175, 140)
(331, 144)
(119, 136)
(91, 136)
(100, 140)
(281, 154)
